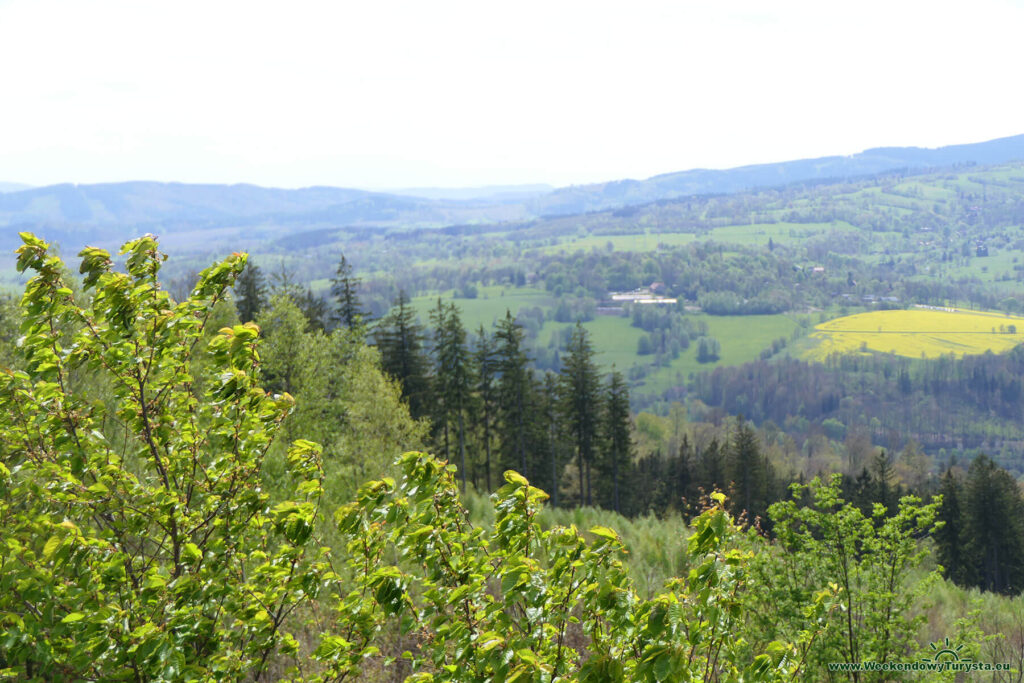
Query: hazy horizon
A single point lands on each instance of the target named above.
(5, 185)
(396, 95)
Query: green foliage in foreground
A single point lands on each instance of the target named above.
(515, 602)
(138, 545)
(136, 542)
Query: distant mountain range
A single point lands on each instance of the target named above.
(581, 198)
(208, 216)
(499, 193)
(14, 187)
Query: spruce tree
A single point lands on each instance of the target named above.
(581, 404)
(861, 491)
(344, 286)
(439, 408)
(250, 293)
(617, 460)
(746, 469)
(453, 377)
(553, 443)
(683, 476)
(486, 407)
(399, 338)
(883, 475)
(993, 528)
(283, 283)
(711, 469)
(514, 391)
(949, 540)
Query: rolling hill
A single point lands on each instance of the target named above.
(578, 199)
(243, 215)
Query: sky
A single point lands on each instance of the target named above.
(389, 94)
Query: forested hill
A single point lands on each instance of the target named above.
(231, 215)
(703, 181)
(244, 215)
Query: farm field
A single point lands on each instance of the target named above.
(491, 303)
(742, 338)
(614, 339)
(918, 333)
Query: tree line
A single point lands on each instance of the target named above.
(981, 543)
(491, 410)
(973, 402)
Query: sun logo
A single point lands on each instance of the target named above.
(946, 653)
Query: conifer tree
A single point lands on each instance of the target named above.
(617, 443)
(949, 539)
(453, 377)
(514, 393)
(399, 338)
(993, 528)
(746, 469)
(683, 476)
(553, 442)
(581, 404)
(711, 468)
(882, 473)
(486, 407)
(344, 287)
(250, 293)
(283, 283)
(862, 490)
(439, 408)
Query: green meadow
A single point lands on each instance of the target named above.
(615, 340)
(742, 338)
(489, 305)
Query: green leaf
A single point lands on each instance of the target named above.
(605, 532)
(663, 666)
(51, 546)
(513, 477)
(191, 552)
(489, 641)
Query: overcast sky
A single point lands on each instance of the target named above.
(435, 93)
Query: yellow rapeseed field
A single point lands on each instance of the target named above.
(930, 332)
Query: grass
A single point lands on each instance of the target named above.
(489, 305)
(782, 233)
(990, 268)
(742, 338)
(636, 242)
(615, 340)
(918, 332)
